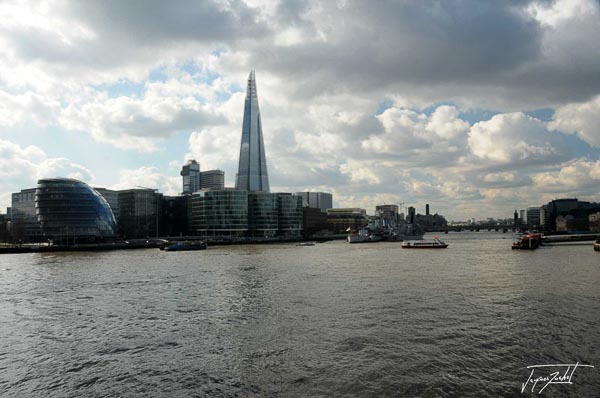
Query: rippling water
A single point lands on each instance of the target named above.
(279, 320)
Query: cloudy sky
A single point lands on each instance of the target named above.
(476, 107)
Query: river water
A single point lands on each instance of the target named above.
(279, 320)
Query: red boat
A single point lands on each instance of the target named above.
(527, 242)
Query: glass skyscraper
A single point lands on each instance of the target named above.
(252, 170)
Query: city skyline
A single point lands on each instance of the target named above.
(477, 109)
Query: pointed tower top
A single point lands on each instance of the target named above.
(251, 90)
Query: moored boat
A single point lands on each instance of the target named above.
(527, 242)
(424, 244)
(185, 246)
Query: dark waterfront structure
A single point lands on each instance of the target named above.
(139, 212)
(314, 221)
(4, 228)
(25, 226)
(341, 219)
(70, 211)
(578, 210)
(263, 219)
(173, 220)
(252, 169)
(289, 213)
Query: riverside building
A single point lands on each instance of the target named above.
(25, 226)
(139, 213)
(70, 211)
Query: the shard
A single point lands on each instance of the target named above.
(252, 170)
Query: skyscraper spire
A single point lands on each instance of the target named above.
(252, 170)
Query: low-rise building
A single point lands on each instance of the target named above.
(342, 219)
(25, 226)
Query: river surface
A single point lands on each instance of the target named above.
(279, 320)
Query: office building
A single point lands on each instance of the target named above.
(219, 212)
(70, 211)
(139, 212)
(212, 179)
(411, 215)
(190, 174)
(314, 221)
(534, 216)
(290, 215)
(173, 220)
(25, 226)
(263, 217)
(316, 200)
(252, 169)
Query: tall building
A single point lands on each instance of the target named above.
(317, 200)
(411, 215)
(213, 179)
(534, 216)
(252, 169)
(71, 211)
(427, 209)
(191, 176)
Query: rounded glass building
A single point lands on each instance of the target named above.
(71, 211)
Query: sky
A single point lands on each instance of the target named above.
(475, 107)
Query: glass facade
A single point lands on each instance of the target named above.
(68, 209)
(190, 173)
(252, 170)
(220, 212)
(139, 212)
(25, 225)
(263, 215)
(290, 214)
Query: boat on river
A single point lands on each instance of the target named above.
(185, 246)
(527, 242)
(435, 243)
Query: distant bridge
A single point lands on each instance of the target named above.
(473, 228)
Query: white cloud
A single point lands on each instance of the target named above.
(148, 177)
(515, 138)
(580, 118)
(21, 167)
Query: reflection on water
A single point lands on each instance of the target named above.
(330, 319)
